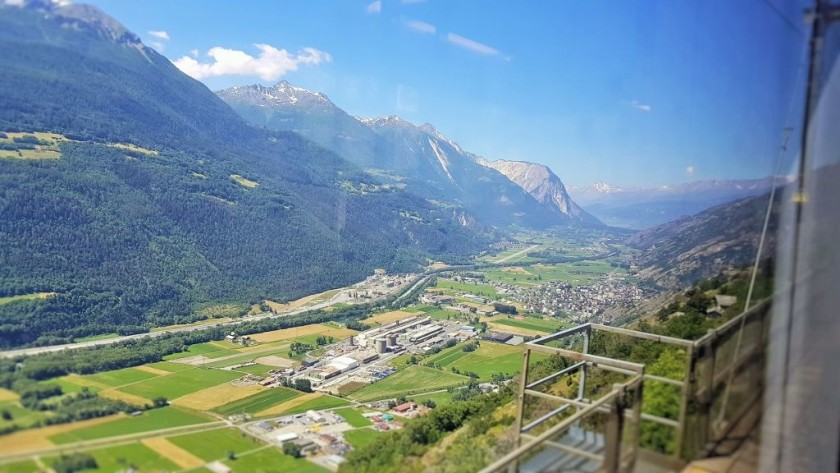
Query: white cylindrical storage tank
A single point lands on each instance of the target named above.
(381, 345)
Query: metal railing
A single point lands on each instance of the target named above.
(601, 430)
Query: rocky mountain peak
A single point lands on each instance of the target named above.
(80, 17)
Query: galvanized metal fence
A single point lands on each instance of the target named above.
(598, 427)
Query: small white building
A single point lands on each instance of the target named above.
(315, 416)
(285, 437)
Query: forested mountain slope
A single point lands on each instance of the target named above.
(418, 158)
(163, 199)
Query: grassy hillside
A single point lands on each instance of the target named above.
(140, 221)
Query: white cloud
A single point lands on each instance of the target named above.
(421, 27)
(471, 45)
(269, 65)
(375, 7)
(194, 53)
(689, 170)
(158, 46)
(162, 35)
(641, 106)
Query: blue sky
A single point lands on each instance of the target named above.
(629, 92)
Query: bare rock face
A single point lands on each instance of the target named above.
(542, 184)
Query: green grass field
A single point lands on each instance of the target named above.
(212, 445)
(120, 377)
(353, 417)
(21, 416)
(492, 358)
(181, 383)
(70, 387)
(440, 314)
(258, 369)
(257, 402)
(359, 438)
(446, 357)
(27, 466)
(154, 419)
(272, 460)
(532, 323)
(124, 457)
(208, 349)
(441, 399)
(324, 402)
(411, 380)
(169, 366)
(477, 289)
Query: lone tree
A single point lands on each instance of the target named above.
(160, 401)
(291, 449)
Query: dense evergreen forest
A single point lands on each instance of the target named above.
(128, 240)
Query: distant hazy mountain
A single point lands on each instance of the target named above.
(419, 158)
(690, 248)
(164, 200)
(637, 207)
(539, 181)
(289, 108)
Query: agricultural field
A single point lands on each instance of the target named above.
(353, 386)
(531, 323)
(579, 272)
(353, 417)
(155, 419)
(133, 456)
(112, 379)
(215, 396)
(411, 380)
(27, 466)
(175, 454)
(258, 402)
(211, 445)
(322, 401)
(446, 357)
(440, 399)
(359, 438)
(491, 358)
(388, 317)
(19, 415)
(181, 383)
(272, 460)
(297, 332)
(450, 286)
(208, 349)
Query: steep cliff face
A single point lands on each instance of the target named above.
(544, 186)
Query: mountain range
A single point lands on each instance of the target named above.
(417, 158)
(159, 202)
(690, 248)
(641, 207)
